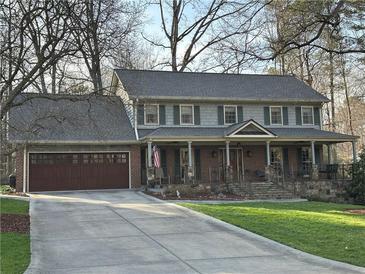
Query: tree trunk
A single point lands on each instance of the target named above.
(344, 78)
(332, 92)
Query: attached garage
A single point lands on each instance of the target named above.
(78, 171)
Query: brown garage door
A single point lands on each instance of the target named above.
(72, 171)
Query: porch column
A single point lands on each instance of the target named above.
(149, 153)
(268, 153)
(313, 153)
(329, 154)
(227, 153)
(314, 166)
(189, 153)
(354, 156)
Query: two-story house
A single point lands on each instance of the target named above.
(204, 127)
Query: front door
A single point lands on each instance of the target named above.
(236, 162)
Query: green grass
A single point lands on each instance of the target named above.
(14, 247)
(319, 228)
(15, 252)
(12, 206)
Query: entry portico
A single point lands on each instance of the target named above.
(244, 152)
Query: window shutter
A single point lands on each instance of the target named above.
(298, 115)
(240, 114)
(163, 161)
(266, 116)
(162, 114)
(140, 114)
(285, 116)
(177, 163)
(317, 119)
(197, 163)
(176, 115)
(220, 115)
(197, 115)
(286, 161)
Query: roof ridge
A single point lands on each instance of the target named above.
(200, 72)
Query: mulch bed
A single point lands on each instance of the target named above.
(14, 223)
(224, 197)
(356, 211)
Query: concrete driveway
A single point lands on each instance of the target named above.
(128, 232)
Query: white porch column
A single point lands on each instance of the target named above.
(189, 154)
(149, 153)
(354, 156)
(329, 153)
(313, 153)
(268, 153)
(227, 153)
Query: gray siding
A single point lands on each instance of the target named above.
(209, 114)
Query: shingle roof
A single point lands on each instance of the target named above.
(309, 133)
(221, 132)
(77, 118)
(173, 132)
(249, 87)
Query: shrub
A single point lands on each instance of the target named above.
(356, 188)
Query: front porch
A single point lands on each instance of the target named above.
(240, 162)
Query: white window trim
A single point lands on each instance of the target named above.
(192, 111)
(301, 114)
(281, 114)
(224, 114)
(158, 115)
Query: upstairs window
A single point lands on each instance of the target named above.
(151, 115)
(307, 115)
(186, 114)
(276, 116)
(230, 114)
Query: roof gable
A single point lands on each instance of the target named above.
(249, 128)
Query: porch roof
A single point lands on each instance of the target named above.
(284, 133)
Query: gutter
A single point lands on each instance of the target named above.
(225, 99)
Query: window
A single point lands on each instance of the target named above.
(186, 115)
(230, 114)
(307, 115)
(276, 115)
(151, 115)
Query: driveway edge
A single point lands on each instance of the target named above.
(244, 232)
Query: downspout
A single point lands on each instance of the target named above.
(25, 168)
(135, 119)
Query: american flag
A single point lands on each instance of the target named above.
(156, 157)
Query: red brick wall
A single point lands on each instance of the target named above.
(135, 154)
(19, 165)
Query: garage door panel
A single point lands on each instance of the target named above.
(73, 171)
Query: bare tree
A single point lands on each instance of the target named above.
(101, 28)
(193, 27)
(39, 37)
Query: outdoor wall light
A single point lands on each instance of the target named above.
(214, 154)
(249, 153)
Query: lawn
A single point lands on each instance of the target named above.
(14, 247)
(323, 229)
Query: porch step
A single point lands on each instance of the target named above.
(262, 190)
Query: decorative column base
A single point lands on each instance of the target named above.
(268, 173)
(314, 174)
(150, 173)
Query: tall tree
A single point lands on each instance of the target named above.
(39, 37)
(190, 28)
(102, 27)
